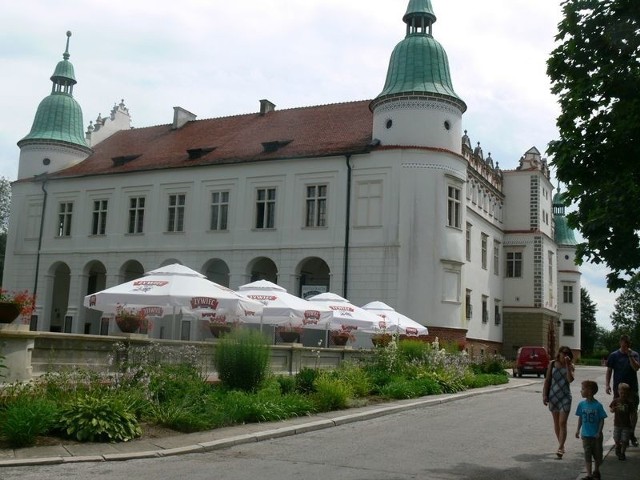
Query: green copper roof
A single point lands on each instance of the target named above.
(563, 234)
(419, 64)
(59, 116)
(419, 8)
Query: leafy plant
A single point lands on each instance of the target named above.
(25, 301)
(103, 418)
(242, 359)
(305, 380)
(331, 393)
(26, 418)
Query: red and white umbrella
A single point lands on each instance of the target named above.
(395, 321)
(176, 287)
(345, 315)
(280, 307)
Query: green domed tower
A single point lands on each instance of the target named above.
(563, 234)
(56, 139)
(418, 105)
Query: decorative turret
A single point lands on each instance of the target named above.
(419, 83)
(563, 234)
(58, 121)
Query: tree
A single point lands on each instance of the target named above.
(588, 325)
(626, 314)
(595, 71)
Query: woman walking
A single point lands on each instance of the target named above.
(557, 393)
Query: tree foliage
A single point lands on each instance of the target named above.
(626, 314)
(5, 207)
(588, 325)
(595, 71)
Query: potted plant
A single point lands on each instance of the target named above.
(13, 304)
(381, 339)
(289, 333)
(340, 337)
(131, 320)
(218, 325)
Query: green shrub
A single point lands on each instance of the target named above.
(26, 418)
(449, 381)
(479, 380)
(413, 350)
(176, 381)
(183, 417)
(356, 377)
(490, 364)
(331, 394)
(287, 383)
(242, 359)
(399, 388)
(104, 418)
(305, 380)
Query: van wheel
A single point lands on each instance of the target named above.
(538, 375)
(519, 374)
(514, 374)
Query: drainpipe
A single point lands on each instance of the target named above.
(43, 178)
(345, 275)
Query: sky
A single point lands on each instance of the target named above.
(218, 58)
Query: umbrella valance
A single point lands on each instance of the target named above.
(396, 322)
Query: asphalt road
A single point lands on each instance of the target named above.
(506, 435)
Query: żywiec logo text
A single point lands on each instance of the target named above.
(204, 302)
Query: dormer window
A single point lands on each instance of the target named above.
(121, 160)
(273, 146)
(195, 153)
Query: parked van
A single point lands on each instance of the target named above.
(531, 360)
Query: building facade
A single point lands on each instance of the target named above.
(382, 199)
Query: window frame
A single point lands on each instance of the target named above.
(176, 211)
(219, 211)
(99, 217)
(484, 246)
(316, 205)
(265, 213)
(65, 219)
(454, 206)
(135, 224)
(514, 266)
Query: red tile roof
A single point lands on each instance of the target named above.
(317, 131)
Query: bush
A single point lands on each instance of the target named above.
(286, 383)
(175, 382)
(103, 418)
(490, 364)
(242, 359)
(485, 379)
(26, 418)
(356, 377)
(182, 416)
(331, 394)
(305, 380)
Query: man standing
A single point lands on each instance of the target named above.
(624, 363)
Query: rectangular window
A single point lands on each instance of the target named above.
(497, 315)
(468, 242)
(316, 206)
(468, 306)
(567, 293)
(514, 265)
(454, 208)
(136, 215)
(484, 250)
(550, 254)
(219, 210)
(568, 327)
(265, 208)
(485, 309)
(99, 224)
(175, 218)
(65, 213)
(496, 257)
(369, 204)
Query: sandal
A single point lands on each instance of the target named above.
(560, 453)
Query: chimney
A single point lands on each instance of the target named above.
(266, 106)
(180, 117)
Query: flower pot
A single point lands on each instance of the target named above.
(381, 340)
(218, 329)
(8, 312)
(340, 340)
(128, 324)
(289, 337)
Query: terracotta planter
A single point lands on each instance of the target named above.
(340, 340)
(128, 324)
(8, 312)
(289, 337)
(218, 330)
(381, 340)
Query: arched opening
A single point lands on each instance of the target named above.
(131, 270)
(61, 275)
(217, 271)
(263, 269)
(96, 275)
(315, 277)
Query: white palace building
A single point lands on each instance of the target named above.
(382, 199)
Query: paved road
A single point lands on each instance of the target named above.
(498, 436)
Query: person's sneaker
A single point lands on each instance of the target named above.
(634, 441)
(622, 456)
(618, 451)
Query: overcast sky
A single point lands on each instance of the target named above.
(219, 57)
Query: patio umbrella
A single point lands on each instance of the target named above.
(176, 287)
(280, 307)
(395, 321)
(345, 315)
